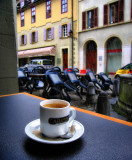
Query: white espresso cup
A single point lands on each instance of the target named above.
(55, 117)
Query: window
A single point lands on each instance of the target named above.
(22, 19)
(49, 33)
(32, 1)
(115, 11)
(128, 66)
(47, 62)
(33, 14)
(48, 8)
(22, 3)
(23, 40)
(90, 19)
(64, 30)
(34, 37)
(64, 6)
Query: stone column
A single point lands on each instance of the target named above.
(101, 60)
(8, 48)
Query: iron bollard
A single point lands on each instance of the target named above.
(103, 105)
(91, 98)
(116, 86)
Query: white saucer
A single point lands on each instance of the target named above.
(32, 130)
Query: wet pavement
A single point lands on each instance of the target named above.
(81, 103)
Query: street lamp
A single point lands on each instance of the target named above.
(71, 33)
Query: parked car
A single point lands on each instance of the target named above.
(46, 63)
(127, 69)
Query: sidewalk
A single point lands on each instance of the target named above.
(77, 102)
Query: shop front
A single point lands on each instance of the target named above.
(39, 53)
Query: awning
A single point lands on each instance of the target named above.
(37, 52)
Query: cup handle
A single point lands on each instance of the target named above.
(73, 116)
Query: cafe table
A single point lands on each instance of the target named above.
(104, 137)
(81, 74)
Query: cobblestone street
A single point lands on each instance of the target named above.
(81, 103)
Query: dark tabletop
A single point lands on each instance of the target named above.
(36, 75)
(103, 139)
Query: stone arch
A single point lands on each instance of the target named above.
(113, 35)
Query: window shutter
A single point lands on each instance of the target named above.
(52, 33)
(20, 40)
(69, 28)
(25, 39)
(36, 36)
(60, 32)
(44, 34)
(121, 11)
(105, 14)
(83, 20)
(30, 37)
(96, 17)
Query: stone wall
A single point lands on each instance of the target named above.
(8, 56)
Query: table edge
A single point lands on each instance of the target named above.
(79, 109)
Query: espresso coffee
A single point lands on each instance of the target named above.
(56, 116)
(55, 105)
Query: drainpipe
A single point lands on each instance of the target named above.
(72, 36)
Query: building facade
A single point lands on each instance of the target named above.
(104, 34)
(44, 28)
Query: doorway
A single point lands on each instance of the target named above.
(65, 58)
(91, 56)
(114, 55)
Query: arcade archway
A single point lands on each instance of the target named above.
(114, 55)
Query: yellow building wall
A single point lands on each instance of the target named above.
(41, 20)
(56, 19)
